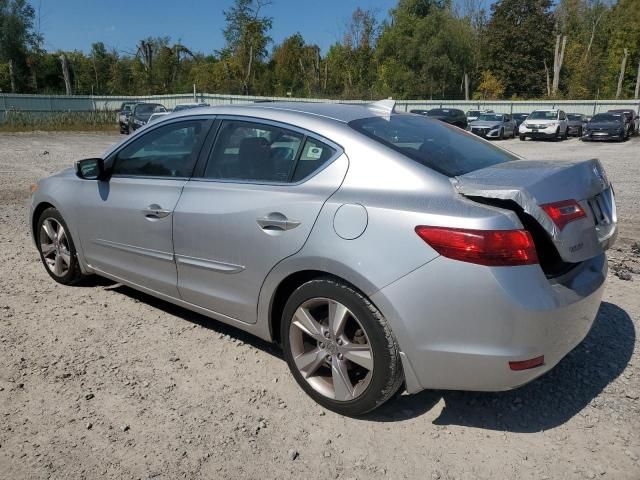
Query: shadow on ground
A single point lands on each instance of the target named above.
(545, 403)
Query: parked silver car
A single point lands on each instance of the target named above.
(381, 250)
(494, 125)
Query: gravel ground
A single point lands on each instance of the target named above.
(102, 381)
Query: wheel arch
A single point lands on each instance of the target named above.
(37, 211)
(287, 285)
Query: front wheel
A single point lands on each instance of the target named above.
(57, 251)
(522, 138)
(339, 347)
(501, 135)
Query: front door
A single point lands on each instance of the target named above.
(255, 204)
(126, 223)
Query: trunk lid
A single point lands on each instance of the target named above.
(533, 183)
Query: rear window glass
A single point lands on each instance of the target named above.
(434, 144)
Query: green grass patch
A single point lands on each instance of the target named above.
(18, 121)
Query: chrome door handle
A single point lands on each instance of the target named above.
(155, 211)
(279, 222)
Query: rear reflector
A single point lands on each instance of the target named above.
(526, 364)
(564, 212)
(494, 248)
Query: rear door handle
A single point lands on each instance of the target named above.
(277, 222)
(155, 211)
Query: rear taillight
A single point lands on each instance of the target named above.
(564, 212)
(485, 247)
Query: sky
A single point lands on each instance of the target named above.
(197, 24)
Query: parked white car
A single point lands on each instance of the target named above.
(545, 124)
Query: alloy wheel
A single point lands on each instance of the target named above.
(54, 245)
(330, 349)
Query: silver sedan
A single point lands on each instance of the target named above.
(381, 250)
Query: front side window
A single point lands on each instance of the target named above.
(249, 151)
(434, 144)
(167, 151)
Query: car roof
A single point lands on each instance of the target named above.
(334, 112)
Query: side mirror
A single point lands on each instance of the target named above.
(91, 169)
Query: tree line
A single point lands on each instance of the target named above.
(423, 49)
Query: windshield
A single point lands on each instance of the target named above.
(606, 117)
(149, 108)
(189, 106)
(473, 113)
(437, 145)
(490, 117)
(520, 116)
(543, 115)
(573, 116)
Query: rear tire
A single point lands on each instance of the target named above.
(57, 250)
(352, 383)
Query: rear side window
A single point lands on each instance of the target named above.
(248, 151)
(314, 155)
(437, 145)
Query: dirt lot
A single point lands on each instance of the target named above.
(101, 381)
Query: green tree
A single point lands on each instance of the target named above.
(16, 38)
(520, 35)
(246, 35)
(623, 31)
(296, 67)
(424, 51)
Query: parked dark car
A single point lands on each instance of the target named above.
(630, 120)
(141, 113)
(519, 118)
(452, 116)
(575, 124)
(605, 126)
(123, 115)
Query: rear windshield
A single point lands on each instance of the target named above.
(437, 145)
(573, 116)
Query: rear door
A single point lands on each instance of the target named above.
(548, 191)
(253, 204)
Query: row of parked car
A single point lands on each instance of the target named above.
(617, 124)
(133, 115)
